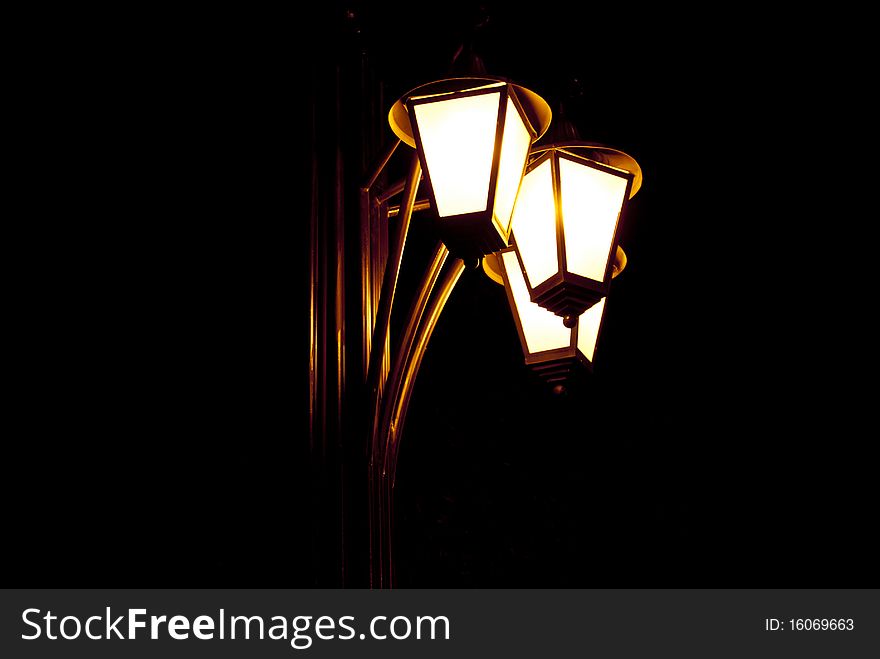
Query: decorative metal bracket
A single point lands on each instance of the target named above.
(391, 373)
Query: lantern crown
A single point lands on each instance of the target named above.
(536, 108)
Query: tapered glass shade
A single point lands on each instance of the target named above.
(458, 140)
(515, 144)
(534, 223)
(588, 327)
(549, 346)
(473, 137)
(591, 201)
(566, 224)
(541, 330)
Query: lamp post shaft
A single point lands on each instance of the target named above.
(359, 385)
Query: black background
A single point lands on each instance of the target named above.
(159, 422)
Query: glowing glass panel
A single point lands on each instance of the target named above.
(588, 329)
(514, 151)
(542, 330)
(458, 140)
(591, 203)
(534, 224)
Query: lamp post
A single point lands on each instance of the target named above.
(470, 143)
(551, 350)
(567, 220)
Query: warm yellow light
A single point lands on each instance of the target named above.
(591, 203)
(514, 152)
(542, 330)
(473, 137)
(534, 224)
(588, 329)
(458, 140)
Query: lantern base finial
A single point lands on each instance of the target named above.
(556, 372)
(570, 321)
(563, 373)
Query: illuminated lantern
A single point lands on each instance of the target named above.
(566, 223)
(473, 137)
(551, 349)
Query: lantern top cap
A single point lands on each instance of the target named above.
(492, 268)
(536, 108)
(599, 153)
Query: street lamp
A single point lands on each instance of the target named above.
(473, 137)
(486, 185)
(566, 223)
(552, 350)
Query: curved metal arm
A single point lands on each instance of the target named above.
(389, 418)
(380, 166)
(414, 362)
(389, 390)
(382, 417)
(372, 248)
